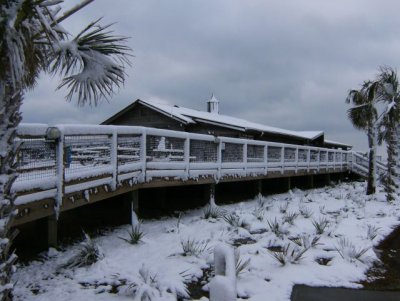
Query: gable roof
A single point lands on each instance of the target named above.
(190, 116)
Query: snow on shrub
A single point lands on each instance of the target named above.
(88, 254)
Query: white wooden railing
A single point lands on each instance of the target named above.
(65, 159)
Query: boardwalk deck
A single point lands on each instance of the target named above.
(85, 164)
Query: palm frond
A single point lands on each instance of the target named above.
(92, 63)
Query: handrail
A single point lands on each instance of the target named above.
(86, 155)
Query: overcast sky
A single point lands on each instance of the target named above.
(287, 64)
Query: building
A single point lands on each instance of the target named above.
(151, 114)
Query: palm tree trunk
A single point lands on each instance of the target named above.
(371, 185)
(10, 117)
(391, 186)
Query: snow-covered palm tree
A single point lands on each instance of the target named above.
(390, 95)
(31, 41)
(363, 115)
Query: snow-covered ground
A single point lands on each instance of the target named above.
(157, 264)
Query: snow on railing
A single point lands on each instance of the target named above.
(359, 164)
(74, 158)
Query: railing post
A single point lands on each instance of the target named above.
(219, 158)
(143, 154)
(114, 159)
(60, 159)
(187, 155)
(283, 159)
(334, 160)
(245, 158)
(266, 159)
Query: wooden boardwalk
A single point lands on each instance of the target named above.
(68, 166)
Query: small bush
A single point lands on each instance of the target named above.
(372, 232)
(320, 225)
(88, 254)
(259, 214)
(305, 211)
(283, 207)
(288, 254)
(241, 264)
(289, 217)
(304, 241)
(193, 247)
(234, 220)
(135, 234)
(276, 228)
(211, 211)
(349, 252)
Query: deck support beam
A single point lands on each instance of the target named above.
(134, 205)
(311, 181)
(209, 194)
(52, 231)
(258, 188)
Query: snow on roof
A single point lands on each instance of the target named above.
(190, 116)
(337, 143)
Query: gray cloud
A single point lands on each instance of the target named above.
(288, 64)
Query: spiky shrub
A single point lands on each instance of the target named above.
(211, 211)
(283, 207)
(259, 213)
(276, 228)
(289, 217)
(193, 247)
(288, 254)
(348, 251)
(234, 220)
(135, 234)
(320, 225)
(305, 211)
(241, 264)
(146, 286)
(88, 254)
(305, 241)
(372, 232)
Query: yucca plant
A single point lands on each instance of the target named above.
(241, 264)
(135, 234)
(193, 247)
(234, 220)
(304, 241)
(283, 207)
(276, 228)
(211, 211)
(259, 213)
(288, 254)
(348, 251)
(372, 232)
(305, 211)
(320, 225)
(289, 217)
(88, 254)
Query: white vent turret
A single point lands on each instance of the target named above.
(213, 105)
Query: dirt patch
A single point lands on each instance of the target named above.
(385, 275)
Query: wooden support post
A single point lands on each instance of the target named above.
(311, 181)
(289, 183)
(209, 194)
(52, 231)
(258, 189)
(328, 179)
(134, 206)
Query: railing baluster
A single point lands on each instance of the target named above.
(60, 161)
(114, 160)
(245, 158)
(143, 155)
(283, 159)
(187, 156)
(266, 159)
